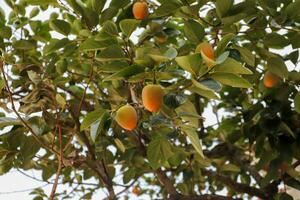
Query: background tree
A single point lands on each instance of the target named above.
(65, 78)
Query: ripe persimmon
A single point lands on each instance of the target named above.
(152, 97)
(126, 117)
(270, 79)
(136, 190)
(207, 53)
(207, 49)
(140, 10)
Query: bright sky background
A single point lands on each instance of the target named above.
(14, 182)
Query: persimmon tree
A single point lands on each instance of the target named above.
(74, 107)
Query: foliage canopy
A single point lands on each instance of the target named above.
(64, 77)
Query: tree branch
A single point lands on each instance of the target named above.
(233, 154)
(238, 187)
(59, 158)
(99, 168)
(166, 182)
(201, 197)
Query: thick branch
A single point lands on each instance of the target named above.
(166, 182)
(100, 167)
(234, 154)
(201, 197)
(238, 187)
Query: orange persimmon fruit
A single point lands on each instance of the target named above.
(136, 190)
(126, 117)
(207, 53)
(270, 79)
(140, 10)
(152, 97)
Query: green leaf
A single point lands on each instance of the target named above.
(193, 31)
(223, 6)
(113, 66)
(211, 84)
(90, 17)
(120, 145)
(5, 32)
(232, 66)
(230, 79)
(171, 53)
(247, 56)
(222, 57)
(24, 44)
(293, 183)
(293, 57)
(149, 76)
(41, 3)
(297, 102)
(34, 77)
(125, 73)
(276, 41)
(118, 3)
(29, 148)
(60, 100)
(34, 12)
(9, 121)
(167, 7)
(222, 44)
(2, 84)
(159, 151)
(295, 40)
(127, 26)
(111, 53)
(203, 90)
(173, 100)
(194, 139)
(98, 126)
(129, 175)
(61, 66)
(91, 44)
(158, 58)
(294, 76)
(98, 5)
(277, 66)
(230, 168)
(90, 118)
(233, 18)
(191, 63)
(285, 196)
(286, 129)
(188, 107)
(2, 15)
(60, 26)
(55, 45)
(108, 14)
(110, 28)
(292, 10)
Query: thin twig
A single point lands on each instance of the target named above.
(24, 190)
(126, 187)
(49, 182)
(60, 160)
(85, 90)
